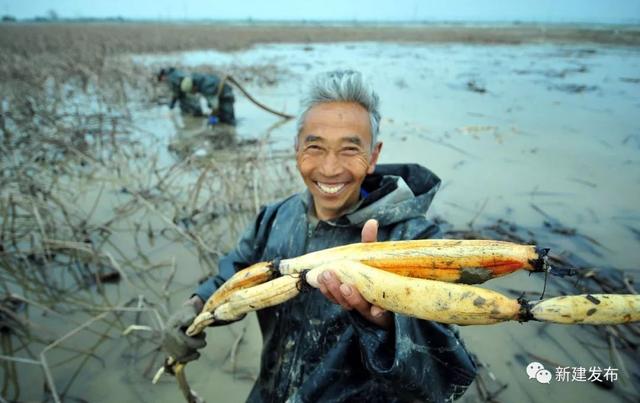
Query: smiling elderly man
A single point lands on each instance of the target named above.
(331, 344)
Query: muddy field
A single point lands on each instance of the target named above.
(112, 207)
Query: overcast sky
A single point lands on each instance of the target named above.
(599, 11)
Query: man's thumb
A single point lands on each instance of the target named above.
(370, 231)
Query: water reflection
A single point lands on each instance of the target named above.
(194, 137)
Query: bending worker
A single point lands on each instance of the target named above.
(200, 95)
(330, 344)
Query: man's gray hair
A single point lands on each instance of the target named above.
(342, 86)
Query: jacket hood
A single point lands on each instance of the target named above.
(395, 192)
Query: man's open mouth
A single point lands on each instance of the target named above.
(330, 188)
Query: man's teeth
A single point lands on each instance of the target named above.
(330, 188)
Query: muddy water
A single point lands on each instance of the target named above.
(507, 128)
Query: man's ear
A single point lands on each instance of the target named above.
(375, 154)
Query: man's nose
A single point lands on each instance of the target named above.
(331, 165)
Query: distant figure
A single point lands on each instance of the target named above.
(200, 95)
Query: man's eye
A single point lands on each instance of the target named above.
(313, 148)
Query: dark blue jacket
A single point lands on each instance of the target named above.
(220, 99)
(209, 85)
(315, 351)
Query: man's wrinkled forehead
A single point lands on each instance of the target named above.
(336, 122)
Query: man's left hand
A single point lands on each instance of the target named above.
(348, 296)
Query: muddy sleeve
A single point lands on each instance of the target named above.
(418, 359)
(243, 255)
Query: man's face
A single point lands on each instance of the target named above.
(334, 155)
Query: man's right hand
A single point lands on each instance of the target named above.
(175, 342)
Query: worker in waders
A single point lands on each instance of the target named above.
(200, 95)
